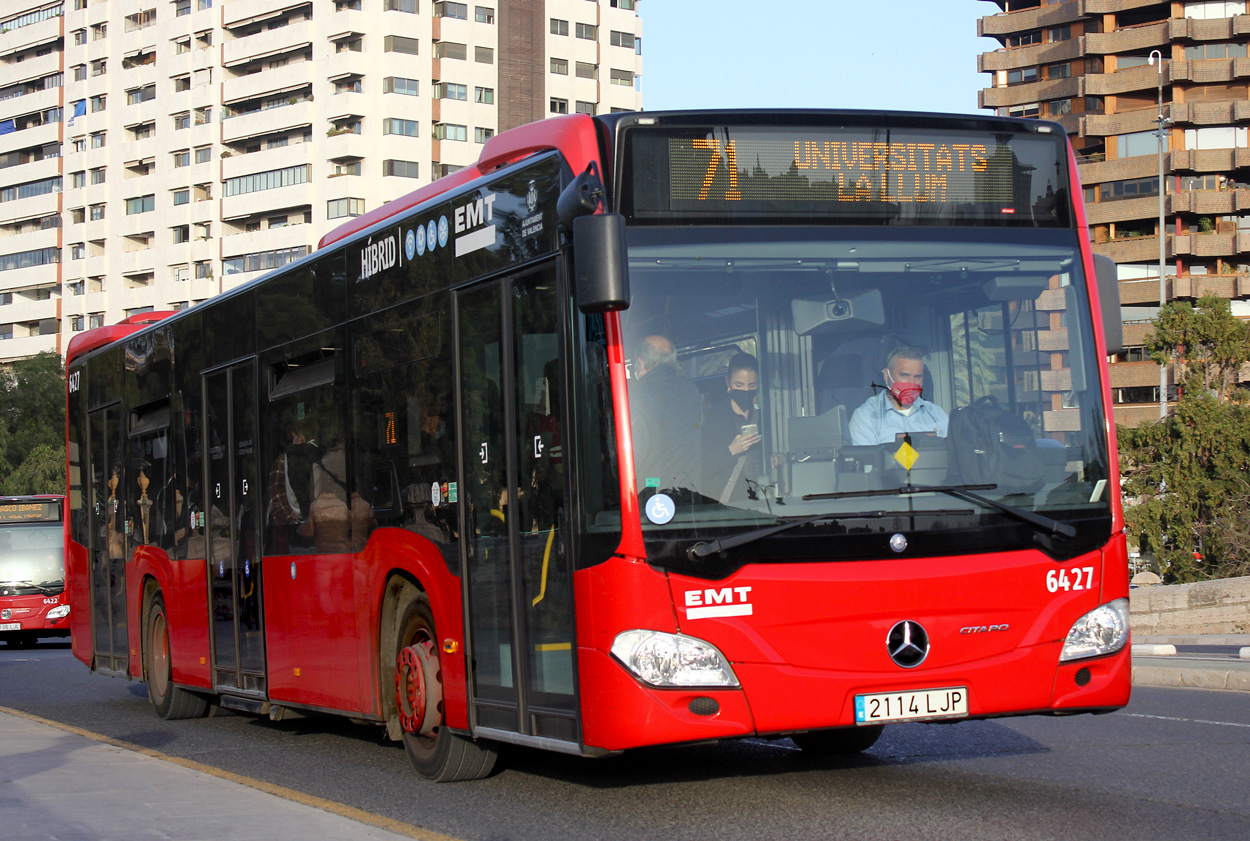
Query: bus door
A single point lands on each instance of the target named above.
(108, 540)
(233, 511)
(518, 579)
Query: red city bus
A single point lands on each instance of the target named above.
(589, 447)
(33, 601)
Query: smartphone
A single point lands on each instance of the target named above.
(751, 429)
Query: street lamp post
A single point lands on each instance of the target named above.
(1156, 59)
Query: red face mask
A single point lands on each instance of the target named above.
(905, 393)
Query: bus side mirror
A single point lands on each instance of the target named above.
(1109, 298)
(600, 263)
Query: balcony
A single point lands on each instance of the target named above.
(19, 348)
(1000, 25)
(273, 42)
(32, 35)
(1134, 374)
(270, 121)
(1122, 81)
(265, 160)
(1130, 249)
(1015, 57)
(33, 136)
(274, 82)
(1144, 119)
(1210, 70)
(1031, 92)
(1145, 290)
(1133, 40)
(1212, 113)
(1210, 160)
(22, 310)
(348, 145)
(1206, 245)
(28, 208)
(35, 67)
(28, 277)
(1134, 415)
(269, 239)
(1211, 202)
(1216, 29)
(1119, 210)
(1111, 7)
(138, 262)
(16, 244)
(264, 201)
(244, 12)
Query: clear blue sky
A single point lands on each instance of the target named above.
(912, 55)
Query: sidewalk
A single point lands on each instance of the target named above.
(1224, 669)
(62, 783)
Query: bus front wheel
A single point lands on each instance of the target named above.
(436, 753)
(169, 701)
(839, 742)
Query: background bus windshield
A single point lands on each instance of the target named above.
(785, 344)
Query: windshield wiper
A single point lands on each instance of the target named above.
(704, 548)
(29, 585)
(1041, 522)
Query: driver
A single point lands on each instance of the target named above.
(898, 407)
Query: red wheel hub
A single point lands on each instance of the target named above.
(418, 690)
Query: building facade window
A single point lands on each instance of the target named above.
(396, 125)
(338, 208)
(559, 27)
(271, 180)
(483, 14)
(559, 106)
(140, 204)
(402, 169)
(398, 84)
(400, 44)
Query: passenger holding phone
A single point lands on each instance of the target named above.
(732, 454)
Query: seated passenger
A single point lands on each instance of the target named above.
(666, 411)
(732, 454)
(898, 408)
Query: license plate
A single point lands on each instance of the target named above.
(881, 707)
(10, 626)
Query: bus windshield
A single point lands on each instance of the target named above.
(32, 558)
(790, 347)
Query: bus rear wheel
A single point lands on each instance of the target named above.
(840, 742)
(169, 701)
(436, 753)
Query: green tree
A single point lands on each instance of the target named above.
(1187, 477)
(32, 426)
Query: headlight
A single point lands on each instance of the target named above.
(663, 659)
(59, 612)
(1103, 630)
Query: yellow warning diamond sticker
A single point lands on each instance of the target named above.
(906, 455)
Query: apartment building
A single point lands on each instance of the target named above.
(154, 153)
(1099, 68)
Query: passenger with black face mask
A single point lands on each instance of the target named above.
(732, 449)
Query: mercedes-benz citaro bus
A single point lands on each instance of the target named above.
(645, 429)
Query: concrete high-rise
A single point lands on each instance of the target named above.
(1087, 64)
(154, 153)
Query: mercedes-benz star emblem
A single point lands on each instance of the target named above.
(908, 644)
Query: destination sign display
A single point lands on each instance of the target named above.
(854, 174)
(30, 511)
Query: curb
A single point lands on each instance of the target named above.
(1235, 680)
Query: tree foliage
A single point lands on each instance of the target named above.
(1187, 477)
(32, 426)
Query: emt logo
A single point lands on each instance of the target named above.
(726, 601)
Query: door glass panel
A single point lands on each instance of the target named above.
(108, 551)
(486, 501)
(221, 539)
(247, 503)
(539, 509)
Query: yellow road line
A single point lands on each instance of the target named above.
(350, 812)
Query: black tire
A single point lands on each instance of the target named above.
(169, 701)
(840, 742)
(436, 753)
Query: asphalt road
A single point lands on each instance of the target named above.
(1170, 766)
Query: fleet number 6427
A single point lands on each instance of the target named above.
(1080, 578)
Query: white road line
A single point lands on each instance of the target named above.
(1186, 720)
